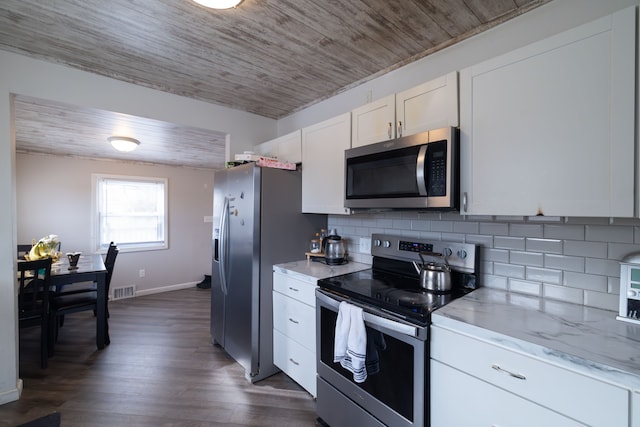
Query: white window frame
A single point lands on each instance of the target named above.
(96, 179)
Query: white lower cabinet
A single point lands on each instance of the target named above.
(294, 329)
(510, 388)
(484, 404)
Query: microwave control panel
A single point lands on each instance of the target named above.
(436, 168)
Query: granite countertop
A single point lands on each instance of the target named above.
(585, 339)
(311, 271)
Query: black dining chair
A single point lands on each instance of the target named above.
(73, 299)
(33, 300)
(23, 250)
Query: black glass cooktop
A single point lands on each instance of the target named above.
(395, 293)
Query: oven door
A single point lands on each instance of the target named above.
(395, 391)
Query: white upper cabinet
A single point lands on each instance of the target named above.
(548, 129)
(431, 105)
(323, 146)
(286, 148)
(374, 122)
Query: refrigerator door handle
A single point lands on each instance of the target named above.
(224, 245)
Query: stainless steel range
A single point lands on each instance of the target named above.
(397, 313)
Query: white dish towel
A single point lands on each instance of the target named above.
(350, 346)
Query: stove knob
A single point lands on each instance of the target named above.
(386, 244)
(377, 243)
(462, 254)
(447, 252)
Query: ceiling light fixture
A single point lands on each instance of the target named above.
(123, 143)
(219, 4)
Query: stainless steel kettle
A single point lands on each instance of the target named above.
(434, 276)
(334, 251)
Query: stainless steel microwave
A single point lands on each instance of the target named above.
(419, 171)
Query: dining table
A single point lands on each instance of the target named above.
(90, 268)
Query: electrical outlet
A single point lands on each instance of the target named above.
(142, 272)
(365, 245)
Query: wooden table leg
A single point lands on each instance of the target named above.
(101, 313)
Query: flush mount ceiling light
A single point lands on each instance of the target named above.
(123, 143)
(219, 4)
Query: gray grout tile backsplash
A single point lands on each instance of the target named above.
(569, 259)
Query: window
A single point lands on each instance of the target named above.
(131, 211)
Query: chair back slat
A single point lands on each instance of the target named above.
(33, 300)
(33, 282)
(110, 262)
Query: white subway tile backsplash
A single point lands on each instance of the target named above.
(496, 255)
(505, 242)
(384, 223)
(564, 262)
(564, 232)
(543, 218)
(526, 230)
(404, 224)
(453, 237)
(604, 267)
(546, 275)
(421, 225)
(563, 293)
(509, 270)
(589, 282)
(601, 300)
(483, 241)
(618, 251)
(495, 282)
(525, 287)
(526, 258)
(443, 226)
(586, 249)
(494, 229)
(569, 259)
(609, 233)
(486, 267)
(613, 285)
(544, 245)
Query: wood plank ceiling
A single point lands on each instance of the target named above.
(267, 57)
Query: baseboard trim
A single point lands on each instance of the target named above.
(11, 395)
(142, 292)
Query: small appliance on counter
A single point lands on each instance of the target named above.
(630, 289)
(332, 250)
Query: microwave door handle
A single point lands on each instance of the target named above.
(420, 175)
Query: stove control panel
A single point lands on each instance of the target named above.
(460, 256)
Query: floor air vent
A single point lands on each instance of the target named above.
(126, 292)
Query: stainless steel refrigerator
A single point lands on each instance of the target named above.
(257, 222)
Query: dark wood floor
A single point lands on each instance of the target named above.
(160, 370)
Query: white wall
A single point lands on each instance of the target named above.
(62, 206)
(27, 76)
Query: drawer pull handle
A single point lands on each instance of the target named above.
(294, 362)
(499, 369)
(293, 289)
(293, 320)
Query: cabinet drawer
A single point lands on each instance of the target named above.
(294, 288)
(570, 393)
(484, 404)
(295, 320)
(296, 361)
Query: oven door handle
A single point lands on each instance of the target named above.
(372, 319)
